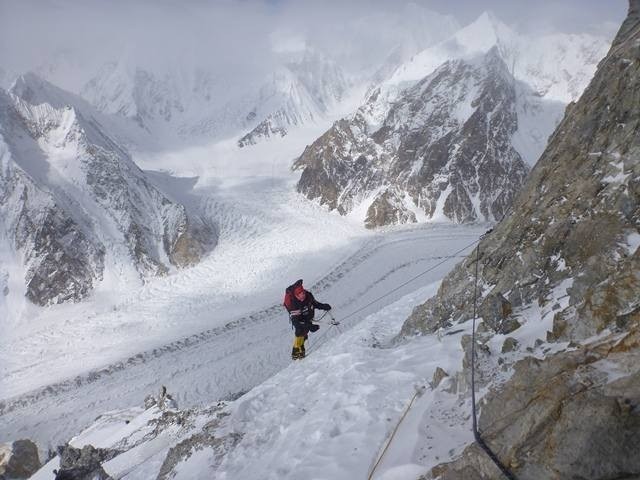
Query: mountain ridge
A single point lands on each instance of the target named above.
(94, 192)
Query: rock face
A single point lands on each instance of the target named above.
(563, 417)
(442, 151)
(271, 126)
(83, 463)
(569, 249)
(129, 438)
(73, 202)
(18, 459)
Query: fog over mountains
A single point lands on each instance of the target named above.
(459, 181)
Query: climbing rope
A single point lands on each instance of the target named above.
(393, 434)
(479, 440)
(453, 255)
(318, 341)
(315, 344)
(476, 434)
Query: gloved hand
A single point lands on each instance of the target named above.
(328, 307)
(314, 327)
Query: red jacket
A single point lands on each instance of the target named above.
(304, 311)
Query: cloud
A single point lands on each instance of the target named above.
(245, 38)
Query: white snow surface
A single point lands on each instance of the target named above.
(332, 415)
(336, 409)
(216, 330)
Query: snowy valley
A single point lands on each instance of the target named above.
(152, 215)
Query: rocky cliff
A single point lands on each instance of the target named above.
(567, 256)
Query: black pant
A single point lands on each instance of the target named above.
(301, 328)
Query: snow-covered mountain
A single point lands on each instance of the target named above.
(398, 159)
(431, 156)
(301, 92)
(191, 104)
(166, 106)
(557, 348)
(76, 209)
(554, 68)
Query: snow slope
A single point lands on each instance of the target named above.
(330, 416)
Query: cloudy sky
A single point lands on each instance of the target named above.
(565, 15)
(239, 35)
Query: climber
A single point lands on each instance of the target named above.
(301, 306)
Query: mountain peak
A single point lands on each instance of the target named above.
(35, 90)
(30, 87)
(486, 31)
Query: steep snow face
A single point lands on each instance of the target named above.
(93, 189)
(560, 66)
(478, 37)
(442, 151)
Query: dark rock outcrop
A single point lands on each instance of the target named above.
(18, 459)
(83, 463)
(563, 417)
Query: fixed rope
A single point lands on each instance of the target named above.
(419, 391)
(476, 434)
(453, 255)
(318, 341)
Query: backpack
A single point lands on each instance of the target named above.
(288, 295)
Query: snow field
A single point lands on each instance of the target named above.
(217, 329)
(336, 408)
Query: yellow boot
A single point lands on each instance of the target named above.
(298, 348)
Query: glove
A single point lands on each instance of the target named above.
(313, 327)
(328, 307)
